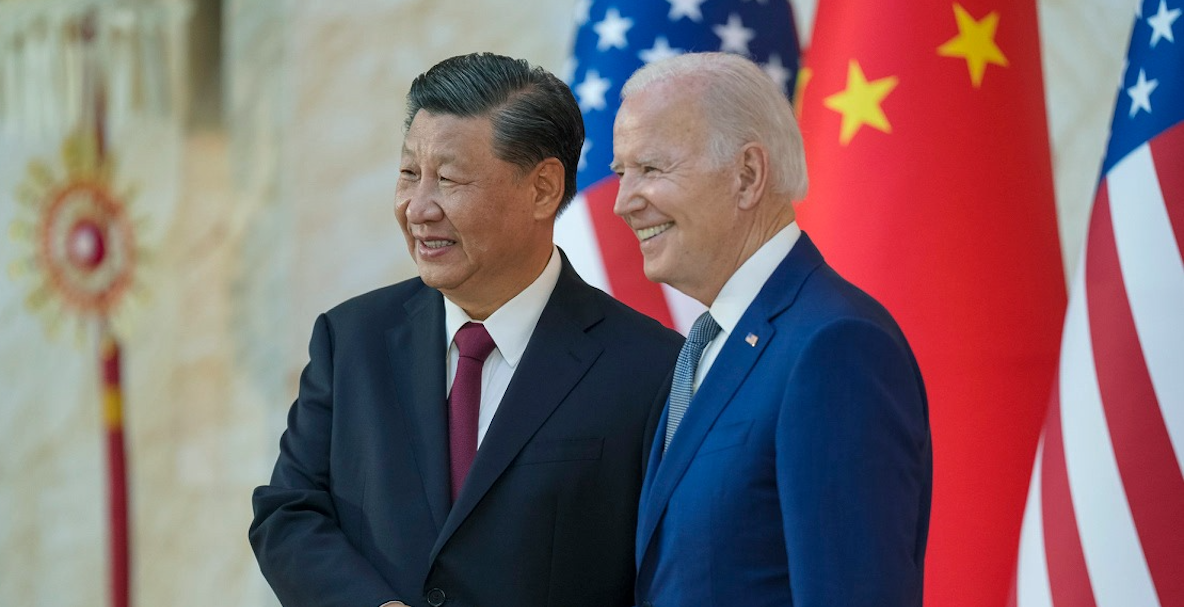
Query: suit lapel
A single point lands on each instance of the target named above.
(419, 385)
(709, 401)
(731, 367)
(647, 484)
(557, 357)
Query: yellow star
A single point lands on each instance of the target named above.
(975, 43)
(860, 102)
(799, 89)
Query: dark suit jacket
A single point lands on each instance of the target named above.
(358, 510)
(801, 474)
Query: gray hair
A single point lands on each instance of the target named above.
(741, 104)
(533, 113)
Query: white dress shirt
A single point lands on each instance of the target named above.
(741, 290)
(510, 326)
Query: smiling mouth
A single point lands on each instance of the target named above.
(437, 244)
(645, 234)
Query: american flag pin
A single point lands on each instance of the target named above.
(751, 339)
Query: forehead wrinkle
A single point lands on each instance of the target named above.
(439, 135)
(650, 158)
(434, 153)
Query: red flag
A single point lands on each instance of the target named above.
(931, 188)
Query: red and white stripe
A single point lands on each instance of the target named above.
(605, 253)
(1104, 524)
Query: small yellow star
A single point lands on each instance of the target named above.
(799, 88)
(860, 102)
(975, 43)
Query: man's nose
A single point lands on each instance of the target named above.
(628, 200)
(421, 204)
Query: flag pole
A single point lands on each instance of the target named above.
(109, 354)
(117, 499)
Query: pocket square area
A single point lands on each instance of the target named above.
(726, 436)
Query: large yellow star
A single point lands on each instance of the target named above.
(975, 43)
(860, 102)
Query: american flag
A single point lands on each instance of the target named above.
(1104, 524)
(615, 38)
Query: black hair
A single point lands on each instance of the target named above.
(534, 114)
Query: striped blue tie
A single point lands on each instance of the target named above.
(683, 388)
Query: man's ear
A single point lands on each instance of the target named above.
(548, 181)
(754, 175)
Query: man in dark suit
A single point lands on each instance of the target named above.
(473, 436)
(793, 464)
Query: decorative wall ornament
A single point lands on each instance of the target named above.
(86, 73)
(79, 234)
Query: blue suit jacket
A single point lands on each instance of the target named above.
(358, 509)
(802, 472)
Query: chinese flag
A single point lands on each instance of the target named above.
(931, 188)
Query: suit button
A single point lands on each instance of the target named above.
(436, 597)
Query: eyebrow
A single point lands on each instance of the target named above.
(648, 160)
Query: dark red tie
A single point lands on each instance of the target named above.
(464, 403)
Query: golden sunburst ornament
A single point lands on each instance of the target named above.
(82, 252)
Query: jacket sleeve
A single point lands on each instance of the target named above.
(301, 548)
(854, 469)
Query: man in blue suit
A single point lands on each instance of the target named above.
(793, 464)
(472, 437)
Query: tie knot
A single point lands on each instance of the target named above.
(473, 341)
(704, 330)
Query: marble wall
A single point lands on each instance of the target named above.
(252, 229)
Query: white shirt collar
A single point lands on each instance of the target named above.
(744, 285)
(511, 325)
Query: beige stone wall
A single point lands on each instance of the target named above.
(253, 230)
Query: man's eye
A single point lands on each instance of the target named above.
(407, 174)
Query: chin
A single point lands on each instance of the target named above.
(655, 273)
(433, 277)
